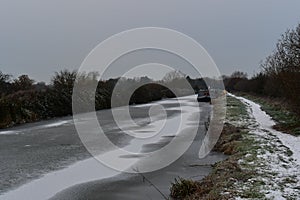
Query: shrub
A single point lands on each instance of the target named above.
(181, 188)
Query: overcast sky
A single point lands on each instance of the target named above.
(41, 37)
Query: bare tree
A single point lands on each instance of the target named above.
(283, 66)
(23, 82)
(173, 75)
(239, 74)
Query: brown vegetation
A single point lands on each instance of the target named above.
(280, 75)
(223, 175)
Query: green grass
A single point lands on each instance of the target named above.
(236, 109)
(286, 120)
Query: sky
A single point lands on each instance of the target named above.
(40, 37)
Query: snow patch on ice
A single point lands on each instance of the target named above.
(56, 124)
(90, 169)
(9, 132)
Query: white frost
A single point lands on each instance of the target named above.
(283, 170)
(266, 122)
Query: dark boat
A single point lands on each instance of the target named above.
(203, 96)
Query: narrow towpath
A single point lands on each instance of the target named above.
(280, 155)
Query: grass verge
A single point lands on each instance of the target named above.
(259, 165)
(286, 119)
(226, 175)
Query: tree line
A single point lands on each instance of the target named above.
(280, 72)
(22, 100)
